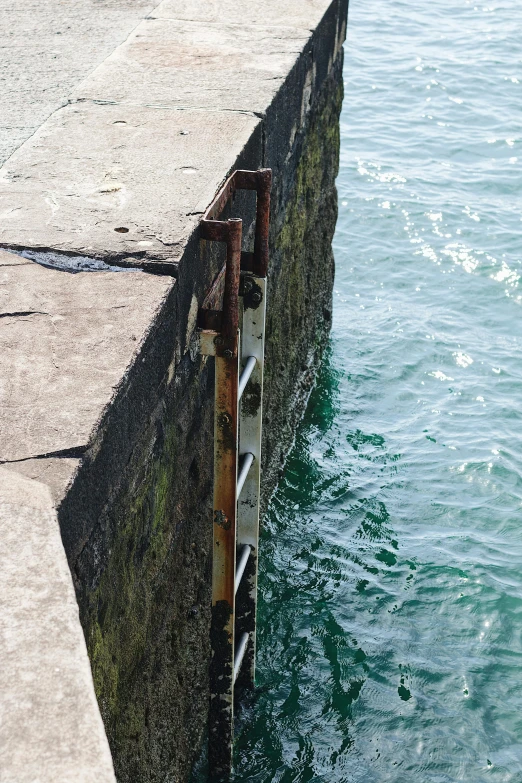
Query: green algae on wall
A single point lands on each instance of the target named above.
(124, 623)
(146, 618)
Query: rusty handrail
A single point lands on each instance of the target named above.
(261, 182)
(230, 232)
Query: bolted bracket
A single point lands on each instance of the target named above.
(226, 287)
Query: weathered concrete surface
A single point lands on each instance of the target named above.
(10, 259)
(46, 49)
(57, 473)
(140, 180)
(66, 343)
(50, 725)
(306, 14)
(134, 515)
(184, 64)
(128, 162)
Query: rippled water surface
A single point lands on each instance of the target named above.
(390, 645)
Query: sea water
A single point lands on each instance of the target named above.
(390, 619)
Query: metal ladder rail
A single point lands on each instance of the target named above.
(219, 337)
(251, 429)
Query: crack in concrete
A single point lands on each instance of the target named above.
(63, 103)
(210, 109)
(75, 452)
(64, 261)
(21, 313)
(228, 23)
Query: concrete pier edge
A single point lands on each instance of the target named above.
(106, 432)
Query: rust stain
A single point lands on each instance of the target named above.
(230, 232)
(221, 519)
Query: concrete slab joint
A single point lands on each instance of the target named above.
(106, 432)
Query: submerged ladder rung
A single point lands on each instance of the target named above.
(245, 375)
(241, 564)
(240, 653)
(246, 463)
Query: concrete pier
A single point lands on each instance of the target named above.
(106, 404)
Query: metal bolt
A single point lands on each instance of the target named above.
(247, 286)
(227, 353)
(218, 340)
(256, 297)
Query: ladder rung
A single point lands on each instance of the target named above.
(245, 375)
(246, 461)
(241, 564)
(240, 652)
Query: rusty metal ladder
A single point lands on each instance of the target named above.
(238, 417)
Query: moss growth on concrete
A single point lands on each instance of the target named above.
(118, 630)
(147, 618)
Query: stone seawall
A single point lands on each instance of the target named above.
(110, 402)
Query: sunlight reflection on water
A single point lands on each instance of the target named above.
(390, 645)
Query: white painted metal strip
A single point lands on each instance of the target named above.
(250, 433)
(245, 375)
(246, 461)
(240, 652)
(241, 565)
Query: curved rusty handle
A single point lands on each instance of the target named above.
(230, 322)
(264, 179)
(230, 232)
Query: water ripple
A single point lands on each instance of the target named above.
(390, 637)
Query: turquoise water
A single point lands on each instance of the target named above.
(390, 639)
